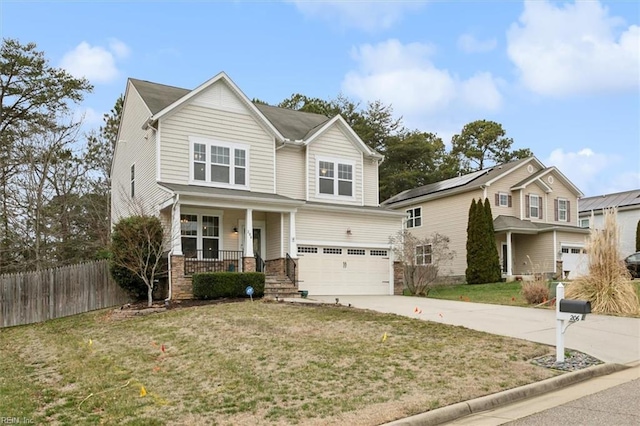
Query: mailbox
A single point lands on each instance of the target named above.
(575, 306)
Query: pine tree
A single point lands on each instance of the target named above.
(492, 264)
(472, 272)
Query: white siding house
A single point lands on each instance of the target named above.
(242, 186)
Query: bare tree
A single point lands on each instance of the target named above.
(423, 259)
(137, 247)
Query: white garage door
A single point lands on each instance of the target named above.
(343, 271)
(574, 262)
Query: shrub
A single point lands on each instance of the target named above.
(535, 292)
(213, 285)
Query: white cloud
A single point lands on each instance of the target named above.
(364, 15)
(469, 44)
(89, 116)
(405, 77)
(568, 49)
(96, 63)
(585, 168)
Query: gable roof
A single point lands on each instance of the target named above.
(618, 199)
(157, 96)
(294, 125)
(287, 125)
(468, 182)
(290, 124)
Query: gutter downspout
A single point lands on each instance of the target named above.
(173, 211)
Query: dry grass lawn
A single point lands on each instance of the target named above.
(251, 363)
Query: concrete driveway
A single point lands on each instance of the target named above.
(610, 339)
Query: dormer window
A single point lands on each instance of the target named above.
(335, 178)
(219, 163)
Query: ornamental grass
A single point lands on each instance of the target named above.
(608, 284)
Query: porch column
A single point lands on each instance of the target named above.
(293, 246)
(176, 242)
(248, 234)
(509, 260)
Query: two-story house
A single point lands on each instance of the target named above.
(535, 217)
(627, 205)
(240, 186)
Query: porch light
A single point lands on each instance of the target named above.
(235, 230)
(348, 231)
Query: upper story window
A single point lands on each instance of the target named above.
(414, 217)
(133, 180)
(503, 199)
(584, 223)
(533, 206)
(423, 255)
(562, 210)
(335, 177)
(219, 163)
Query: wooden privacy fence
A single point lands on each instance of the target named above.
(31, 297)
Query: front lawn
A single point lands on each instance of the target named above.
(251, 363)
(495, 293)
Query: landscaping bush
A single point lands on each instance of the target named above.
(535, 292)
(213, 285)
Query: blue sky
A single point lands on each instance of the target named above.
(563, 78)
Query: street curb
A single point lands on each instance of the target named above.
(484, 403)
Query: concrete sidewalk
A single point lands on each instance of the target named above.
(610, 339)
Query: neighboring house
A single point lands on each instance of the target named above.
(628, 207)
(535, 217)
(240, 186)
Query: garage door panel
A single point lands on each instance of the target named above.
(329, 273)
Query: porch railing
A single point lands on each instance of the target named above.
(260, 265)
(290, 268)
(221, 261)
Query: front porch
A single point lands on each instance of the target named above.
(216, 238)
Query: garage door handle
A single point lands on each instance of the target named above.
(344, 265)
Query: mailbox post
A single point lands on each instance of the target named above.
(567, 312)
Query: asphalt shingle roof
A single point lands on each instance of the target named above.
(293, 125)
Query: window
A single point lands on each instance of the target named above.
(356, 252)
(503, 199)
(133, 180)
(423, 255)
(378, 253)
(330, 183)
(219, 163)
(331, 250)
(303, 249)
(584, 223)
(200, 236)
(533, 208)
(562, 210)
(414, 217)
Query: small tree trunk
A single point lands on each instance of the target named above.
(149, 295)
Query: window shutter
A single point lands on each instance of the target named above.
(568, 211)
(539, 207)
(509, 200)
(526, 206)
(497, 199)
(555, 208)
